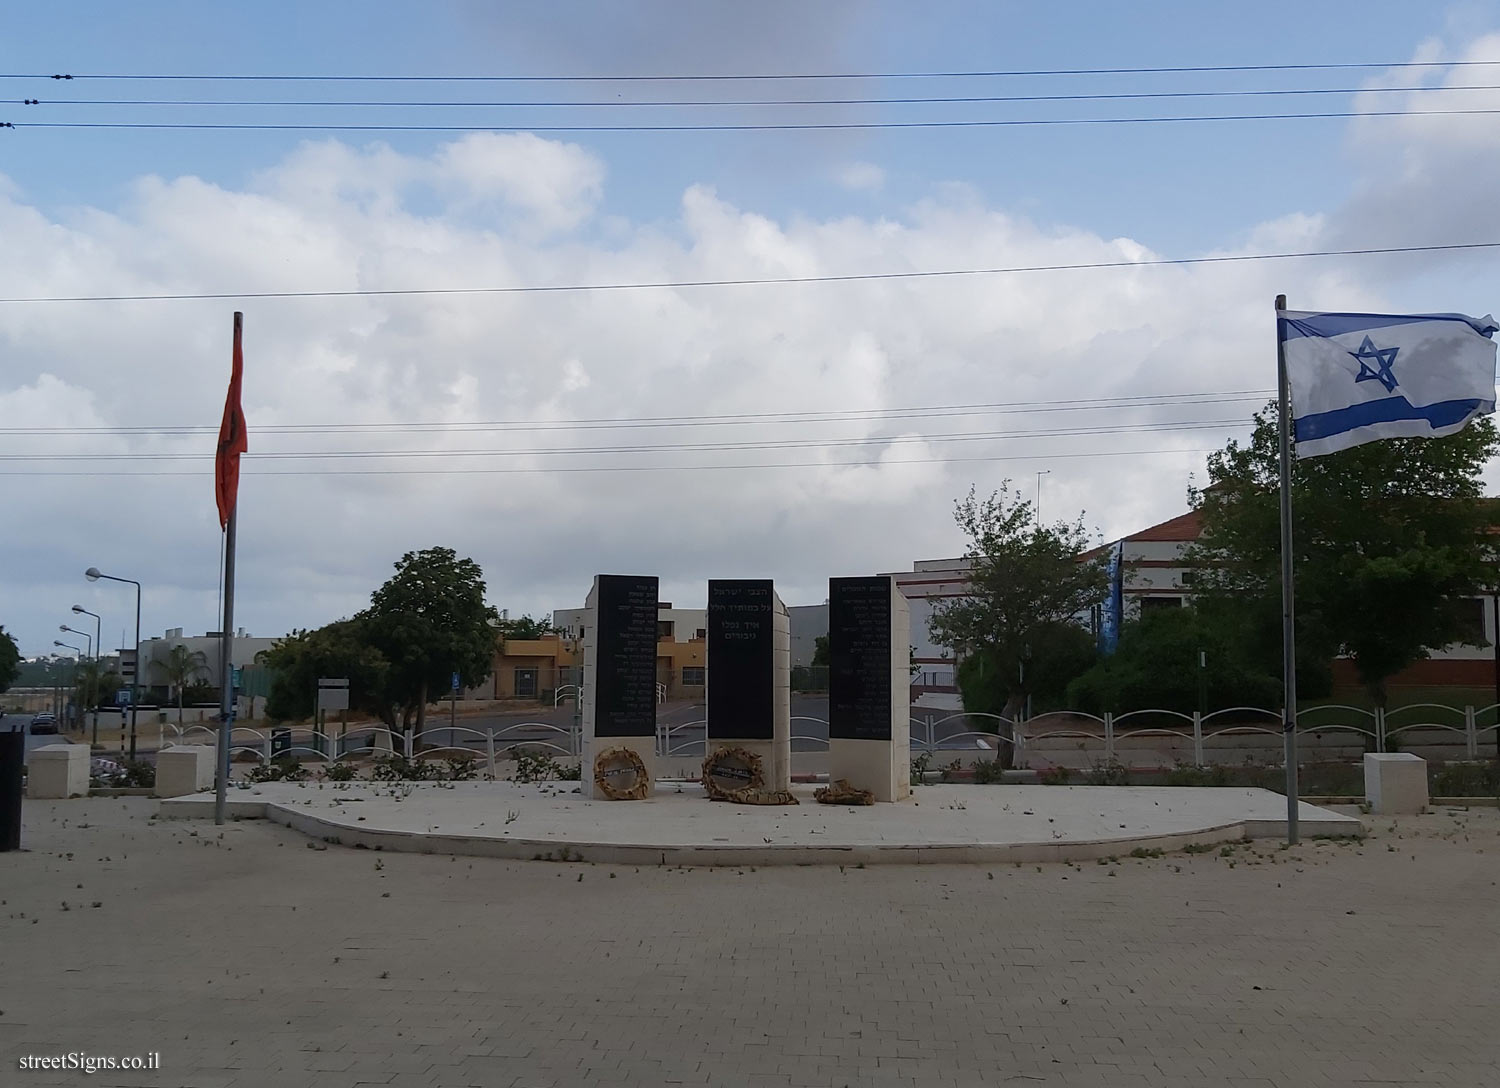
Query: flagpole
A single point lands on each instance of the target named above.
(1288, 609)
(226, 643)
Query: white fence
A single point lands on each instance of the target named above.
(1038, 741)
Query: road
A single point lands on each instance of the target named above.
(683, 720)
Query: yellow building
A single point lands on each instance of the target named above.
(532, 670)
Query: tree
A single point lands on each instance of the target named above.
(341, 650)
(1156, 667)
(820, 652)
(430, 620)
(1060, 652)
(1025, 577)
(10, 660)
(183, 667)
(526, 628)
(1388, 538)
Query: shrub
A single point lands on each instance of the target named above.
(919, 768)
(571, 774)
(1111, 772)
(1054, 776)
(988, 770)
(534, 765)
(340, 772)
(1466, 780)
(1190, 774)
(133, 774)
(463, 767)
(280, 769)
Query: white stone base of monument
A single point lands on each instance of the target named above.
(183, 769)
(1395, 783)
(57, 771)
(776, 768)
(883, 767)
(643, 747)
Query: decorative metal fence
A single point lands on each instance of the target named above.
(1096, 737)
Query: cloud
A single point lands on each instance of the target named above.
(860, 176)
(486, 400)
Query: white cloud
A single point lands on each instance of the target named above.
(489, 211)
(860, 176)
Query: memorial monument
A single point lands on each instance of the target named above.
(869, 686)
(619, 687)
(749, 684)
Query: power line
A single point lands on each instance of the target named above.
(615, 468)
(721, 102)
(827, 126)
(659, 447)
(855, 415)
(727, 77)
(854, 277)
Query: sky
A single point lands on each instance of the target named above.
(509, 426)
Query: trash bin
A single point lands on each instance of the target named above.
(281, 742)
(12, 756)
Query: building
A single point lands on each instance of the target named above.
(155, 652)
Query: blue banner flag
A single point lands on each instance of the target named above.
(1358, 378)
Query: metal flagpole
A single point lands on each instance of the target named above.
(226, 644)
(1288, 610)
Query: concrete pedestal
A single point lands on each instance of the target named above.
(183, 769)
(57, 771)
(1395, 783)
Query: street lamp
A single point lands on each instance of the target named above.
(1038, 511)
(89, 643)
(98, 651)
(93, 575)
(79, 651)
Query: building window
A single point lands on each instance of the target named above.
(1152, 604)
(693, 676)
(663, 630)
(702, 633)
(1188, 577)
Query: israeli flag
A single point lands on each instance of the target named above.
(1358, 378)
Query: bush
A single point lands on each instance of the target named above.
(1111, 772)
(280, 769)
(1190, 774)
(1054, 776)
(534, 765)
(1466, 780)
(463, 767)
(340, 772)
(987, 771)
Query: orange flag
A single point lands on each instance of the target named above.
(231, 436)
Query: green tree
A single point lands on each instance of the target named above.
(1156, 667)
(340, 649)
(10, 660)
(526, 628)
(1060, 652)
(182, 668)
(1025, 579)
(1388, 537)
(429, 621)
(820, 652)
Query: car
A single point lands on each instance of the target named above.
(43, 723)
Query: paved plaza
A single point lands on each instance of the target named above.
(254, 956)
(940, 823)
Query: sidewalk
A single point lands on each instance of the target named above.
(250, 956)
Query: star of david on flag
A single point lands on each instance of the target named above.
(1358, 378)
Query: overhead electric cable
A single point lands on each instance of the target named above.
(853, 277)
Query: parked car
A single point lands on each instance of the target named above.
(43, 723)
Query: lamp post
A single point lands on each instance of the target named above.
(79, 651)
(1038, 511)
(98, 651)
(88, 653)
(93, 575)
